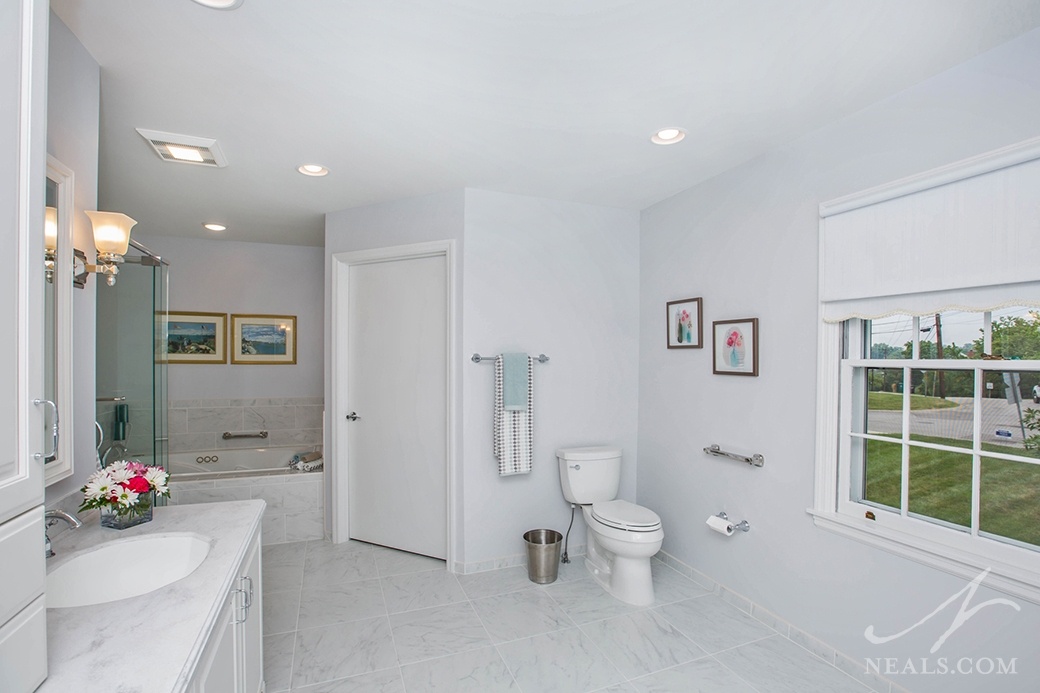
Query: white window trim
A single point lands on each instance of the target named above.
(1013, 569)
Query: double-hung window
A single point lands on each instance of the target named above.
(929, 368)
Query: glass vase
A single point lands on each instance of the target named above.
(140, 514)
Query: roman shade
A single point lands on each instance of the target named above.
(962, 237)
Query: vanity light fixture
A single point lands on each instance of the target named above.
(313, 170)
(50, 242)
(214, 227)
(112, 239)
(668, 136)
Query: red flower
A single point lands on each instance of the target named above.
(137, 484)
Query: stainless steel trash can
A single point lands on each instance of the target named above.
(543, 555)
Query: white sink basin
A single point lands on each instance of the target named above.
(124, 568)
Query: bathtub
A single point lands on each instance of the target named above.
(223, 464)
(295, 500)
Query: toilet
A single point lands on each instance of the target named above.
(621, 536)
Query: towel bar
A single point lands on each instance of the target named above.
(477, 358)
(755, 460)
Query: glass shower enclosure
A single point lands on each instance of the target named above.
(131, 409)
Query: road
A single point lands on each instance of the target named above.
(956, 422)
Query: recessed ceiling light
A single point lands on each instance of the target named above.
(668, 136)
(220, 4)
(214, 227)
(313, 170)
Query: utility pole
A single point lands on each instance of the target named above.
(939, 355)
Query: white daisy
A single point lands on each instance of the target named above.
(126, 497)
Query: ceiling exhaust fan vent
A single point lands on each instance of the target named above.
(185, 149)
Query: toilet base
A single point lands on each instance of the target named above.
(627, 579)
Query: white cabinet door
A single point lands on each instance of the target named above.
(218, 670)
(23, 42)
(251, 630)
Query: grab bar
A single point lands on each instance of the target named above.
(228, 435)
(111, 399)
(755, 460)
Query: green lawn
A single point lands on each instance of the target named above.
(893, 401)
(940, 487)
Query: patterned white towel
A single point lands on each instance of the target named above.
(514, 430)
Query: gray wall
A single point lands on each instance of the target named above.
(747, 242)
(256, 278)
(73, 107)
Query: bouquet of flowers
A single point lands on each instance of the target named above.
(125, 488)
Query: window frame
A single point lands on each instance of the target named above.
(1014, 569)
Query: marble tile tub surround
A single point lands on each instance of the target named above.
(87, 646)
(357, 617)
(198, 424)
(295, 501)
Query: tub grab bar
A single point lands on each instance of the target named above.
(228, 435)
(755, 460)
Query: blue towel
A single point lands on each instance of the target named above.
(515, 374)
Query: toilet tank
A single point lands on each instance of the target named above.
(589, 475)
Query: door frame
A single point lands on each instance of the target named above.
(340, 390)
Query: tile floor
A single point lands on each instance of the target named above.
(357, 617)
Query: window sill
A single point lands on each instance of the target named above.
(1013, 570)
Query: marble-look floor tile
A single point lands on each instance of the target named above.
(777, 665)
(713, 624)
(520, 614)
(585, 601)
(353, 601)
(704, 675)
(421, 590)
(281, 610)
(563, 661)
(641, 643)
(392, 562)
(334, 567)
(620, 688)
(575, 570)
(672, 586)
(385, 681)
(436, 632)
(342, 650)
(476, 671)
(278, 661)
(492, 582)
(282, 566)
(322, 546)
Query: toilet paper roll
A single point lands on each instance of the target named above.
(720, 525)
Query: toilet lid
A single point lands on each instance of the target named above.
(624, 515)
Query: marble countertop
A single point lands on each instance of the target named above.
(151, 643)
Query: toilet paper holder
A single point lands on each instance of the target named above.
(743, 525)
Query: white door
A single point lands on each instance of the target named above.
(397, 388)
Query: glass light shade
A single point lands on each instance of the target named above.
(111, 231)
(50, 229)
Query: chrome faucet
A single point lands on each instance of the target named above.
(48, 518)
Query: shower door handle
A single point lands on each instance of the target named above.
(352, 416)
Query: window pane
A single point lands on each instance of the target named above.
(1010, 500)
(1010, 416)
(941, 406)
(959, 332)
(940, 485)
(882, 473)
(1016, 333)
(891, 337)
(884, 401)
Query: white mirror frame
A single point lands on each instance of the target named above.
(64, 179)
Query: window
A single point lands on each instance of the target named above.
(928, 435)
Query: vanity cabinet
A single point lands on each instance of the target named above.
(233, 660)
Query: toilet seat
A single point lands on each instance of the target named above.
(620, 514)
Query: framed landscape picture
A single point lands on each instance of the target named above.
(735, 346)
(194, 337)
(263, 339)
(685, 324)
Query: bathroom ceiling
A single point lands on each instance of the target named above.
(552, 98)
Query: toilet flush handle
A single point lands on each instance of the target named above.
(574, 466)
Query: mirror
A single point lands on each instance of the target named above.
(59, 279)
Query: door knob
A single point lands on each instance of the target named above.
(352, 416)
